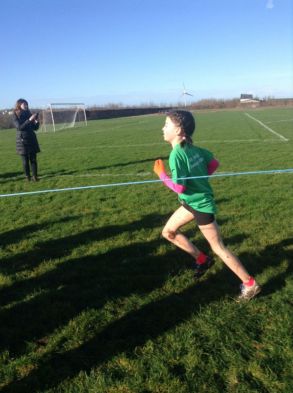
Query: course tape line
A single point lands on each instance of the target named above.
(274, 171)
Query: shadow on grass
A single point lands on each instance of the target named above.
(59, 248)
(60, 294)
(272, 255)
(19, 176)
(65, 172)
(89, 282)
(151, 160)
(75, 284)
(9, 176)
(122, 335)
(60, 172)
(15, 235)
(138, 326)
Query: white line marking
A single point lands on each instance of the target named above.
(279, 121)
(140, 174)
(110, 145)
(122, 146)
(266, 127)
(103, 175)
(238, 140)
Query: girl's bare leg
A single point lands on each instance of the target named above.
(179, 218)
(212, 234)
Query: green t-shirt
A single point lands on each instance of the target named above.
(188, 161)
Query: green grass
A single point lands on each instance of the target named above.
(94, 300)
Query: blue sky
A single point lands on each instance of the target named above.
(141, 51)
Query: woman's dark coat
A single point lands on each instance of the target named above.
(26, 140)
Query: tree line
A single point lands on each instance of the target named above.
(113, 110)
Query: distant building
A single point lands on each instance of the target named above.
(247, 98)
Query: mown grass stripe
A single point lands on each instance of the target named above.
(133, 183)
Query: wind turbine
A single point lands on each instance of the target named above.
(185, 93)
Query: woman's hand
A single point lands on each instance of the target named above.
(159, 167)
(33, 117)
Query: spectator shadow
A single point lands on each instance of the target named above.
(60, 172)
(123, 164)
(78, 284)
(64, 172)
(61, 247)
(123, 335)
(5, 177)
(73, 285)
(89, 282)
(13, 236)
(149, 322)
(74, 275)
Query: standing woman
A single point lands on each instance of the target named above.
(27, 145)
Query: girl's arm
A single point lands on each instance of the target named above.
(178, 188)
(159, 169)
(212, 166)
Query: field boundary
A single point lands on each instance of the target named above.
(267, 128)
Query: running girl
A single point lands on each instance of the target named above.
(197, 200)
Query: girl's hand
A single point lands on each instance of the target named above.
(159, 167)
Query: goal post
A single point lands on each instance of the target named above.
(60, 115)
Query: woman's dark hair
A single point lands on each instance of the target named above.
(185, 121)
(18, 103)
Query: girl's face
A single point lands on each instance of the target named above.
(24, 106)
(171, 132)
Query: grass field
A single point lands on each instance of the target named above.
(94, 300)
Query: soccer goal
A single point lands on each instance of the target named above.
(63, 115)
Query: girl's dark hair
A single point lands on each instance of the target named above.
(185, 121)
(18, 103)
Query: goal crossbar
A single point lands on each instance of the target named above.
(60, 115)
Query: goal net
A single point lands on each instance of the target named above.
(63, 115)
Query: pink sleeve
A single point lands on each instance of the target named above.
(178, 188)
(212, 166)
